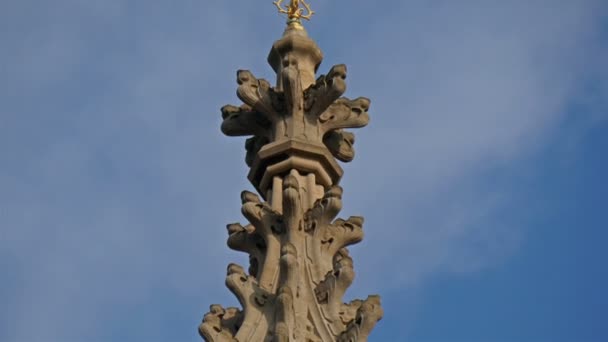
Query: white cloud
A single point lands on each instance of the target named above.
(459, 90)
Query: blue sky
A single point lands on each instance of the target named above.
(481, 175)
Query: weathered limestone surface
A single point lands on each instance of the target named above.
(299, 265)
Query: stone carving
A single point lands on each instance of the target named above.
(299, 265)
(317, 115)
(221, 324)
(340, 144)
(368, 313)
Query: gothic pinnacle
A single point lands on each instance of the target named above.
(299, 264)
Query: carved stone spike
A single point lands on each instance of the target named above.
(211, 327)
(367, 316)
(317, 224)
(239, 237)
(243, 121)
(348, 312)
(333, 288)
(253, 210)
(239, 283)
(345, 113)
(256, 93)
(248, 196)
(327, 89)
(232, 320)
(267, 224)
(325, 209)
(342, 233)
(246, 239)
(340, 144)
(220, 325)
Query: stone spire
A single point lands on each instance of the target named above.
(299, 266)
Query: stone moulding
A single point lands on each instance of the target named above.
(299, 265)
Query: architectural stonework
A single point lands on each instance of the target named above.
(299, 266)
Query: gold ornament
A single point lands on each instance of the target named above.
(295, 11)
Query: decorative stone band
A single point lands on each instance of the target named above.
(279, 158)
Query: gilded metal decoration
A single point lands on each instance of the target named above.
(295, 10)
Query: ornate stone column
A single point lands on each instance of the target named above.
(299, 266)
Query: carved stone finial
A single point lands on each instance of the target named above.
(299, 264)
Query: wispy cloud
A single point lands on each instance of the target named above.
(461, 90)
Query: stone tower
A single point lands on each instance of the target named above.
(299, 266)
